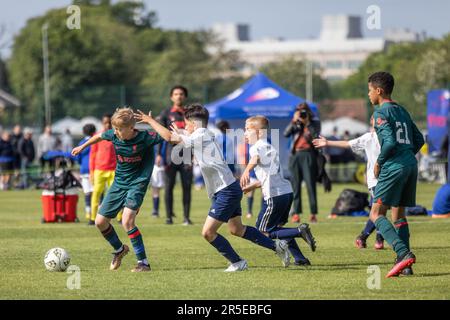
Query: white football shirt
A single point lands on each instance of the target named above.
(268, 171)
(368, 143)
(209, 156)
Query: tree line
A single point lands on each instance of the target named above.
(117, 58)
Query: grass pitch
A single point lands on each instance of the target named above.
(186, 267)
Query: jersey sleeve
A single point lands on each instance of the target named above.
(360, 143)
(108, 135)
(152, 138)
(386, 136)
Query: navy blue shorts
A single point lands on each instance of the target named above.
(226, 203)
(274, 212)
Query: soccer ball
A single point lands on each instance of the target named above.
(56, 259)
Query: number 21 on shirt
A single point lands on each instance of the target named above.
(402, 131)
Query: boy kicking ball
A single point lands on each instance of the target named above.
(277, 191)
(221, 186)
(135, 159)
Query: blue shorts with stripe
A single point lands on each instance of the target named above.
(226, 203)
(274, 212)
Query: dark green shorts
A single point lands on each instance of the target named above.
(119, 197)
(397, 187)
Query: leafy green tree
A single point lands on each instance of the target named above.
(417, 68)
(101, 53)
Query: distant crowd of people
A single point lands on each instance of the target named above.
(19, 149)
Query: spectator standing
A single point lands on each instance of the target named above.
(303, 160)
(27, 155)
(46, 143)
(16, 136)
(67, 141)
(168, 117)
(6, 160)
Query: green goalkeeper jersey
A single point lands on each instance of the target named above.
(399, 137)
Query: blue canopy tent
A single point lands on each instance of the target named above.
(259, 96)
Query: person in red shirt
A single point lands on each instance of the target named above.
(102, 166)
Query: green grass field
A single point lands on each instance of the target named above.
(186, 267)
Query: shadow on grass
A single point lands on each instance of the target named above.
(431, 248)
(434, 274)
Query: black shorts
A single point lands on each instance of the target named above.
(6, 166)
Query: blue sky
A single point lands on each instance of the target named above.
(290, 19)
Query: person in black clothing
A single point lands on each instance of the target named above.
(303, 160)
(27, 154)
(16, 136)
(175, 116)
(6, 160)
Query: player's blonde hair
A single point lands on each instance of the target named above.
(260, 121)
(123, 117)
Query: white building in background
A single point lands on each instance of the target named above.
(338, 52)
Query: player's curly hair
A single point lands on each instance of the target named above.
(123, 117)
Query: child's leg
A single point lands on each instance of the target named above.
(87, 204)
(109, 182)
(155, 196)
(250, 233)
(387, 230)
(401, 224)
(222, 245)
(250, 203)
(108, 232)
(368, 229)
(285, 233)
(128, 222)
(294, 249)
(98, 189)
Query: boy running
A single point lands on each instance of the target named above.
(135, 160)
(277, 191)
(222, 188)
(395, 169)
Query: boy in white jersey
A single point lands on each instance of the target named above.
(221, 186)
(277, 191)
(368, 143)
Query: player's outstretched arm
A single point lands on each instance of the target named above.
(147, 118)
(322, 142)
(251, 187)
(245, 178)
(91, 141)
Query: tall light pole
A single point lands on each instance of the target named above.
(48, 111)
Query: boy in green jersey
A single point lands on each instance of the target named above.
(395, 169)
(135, 160)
